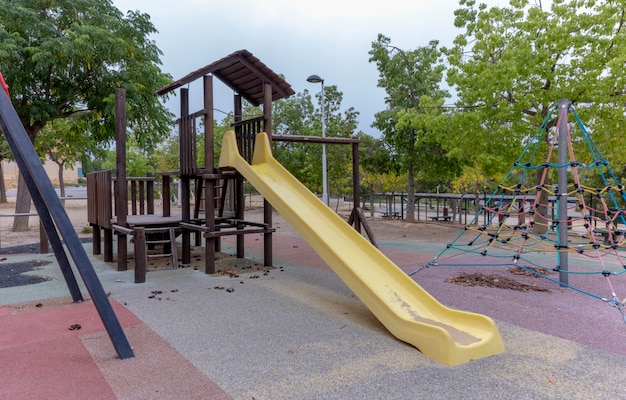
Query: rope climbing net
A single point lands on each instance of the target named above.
(529, 222)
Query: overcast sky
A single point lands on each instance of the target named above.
(330, 38)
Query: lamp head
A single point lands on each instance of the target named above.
(314, 79)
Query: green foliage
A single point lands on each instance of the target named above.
(413, 122)
(513, 63)
(471, 181)
(299, 116)
(65, 141)
(430, 126)
(64, 58)
(414, 125)
(406, 76)
(138, 162)
(166, 154)
(376, 163)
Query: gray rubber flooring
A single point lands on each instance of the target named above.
(299, 333)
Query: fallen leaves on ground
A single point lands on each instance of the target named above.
(494, 281)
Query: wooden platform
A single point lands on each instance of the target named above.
(151, 220)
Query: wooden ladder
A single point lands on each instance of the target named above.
(165, 237)
(199, 197)
(150, 237)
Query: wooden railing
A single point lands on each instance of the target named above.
(141, 195)
(100, 199)
(246, 131)
(104, 221)
(100, 204)
(187, 143)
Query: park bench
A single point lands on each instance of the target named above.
(616, 233)
(395, 215)
(442, 218)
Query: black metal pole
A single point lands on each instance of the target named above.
(43, 192)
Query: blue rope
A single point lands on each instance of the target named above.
(497, 200)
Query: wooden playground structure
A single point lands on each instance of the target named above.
(212, 200)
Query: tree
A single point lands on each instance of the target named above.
(295, 116)
(138, 162)
(64, 58)
(341, 124)
(5, 154)
(512, 64)
(298, 115)
(438, 165)
(64, 142)
(406, 76)
(166, 155)
(375, 162)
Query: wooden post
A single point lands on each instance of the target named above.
(96, 238)
(267, 208)
(356, 189)
(210, 241)
(209, 134)
(166, 201)
(239, 194)
(141, 256)
(121, 193)
(150, 194)
(184, 177)
(108, 244)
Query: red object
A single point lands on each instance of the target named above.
(4, 85)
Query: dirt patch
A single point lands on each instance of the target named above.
(225, 264)
(529, 271)
(28, 241)
(229, 265)
(494, 281)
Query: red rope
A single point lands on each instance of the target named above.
(4, 85)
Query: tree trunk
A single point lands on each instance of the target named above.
(477, 206)
(61, 183)
(410, 204)
(3, 189)
(23, 202)
(453, 208)
(372, 200)
(22, 205)
(460, 205)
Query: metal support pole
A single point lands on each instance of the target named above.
(54, 215)
(324, 163)
(563, 106)
(356, 186)
(318, 79)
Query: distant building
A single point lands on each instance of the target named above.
(70, 176)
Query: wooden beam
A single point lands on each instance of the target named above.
(314, 139)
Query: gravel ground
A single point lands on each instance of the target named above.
(299, 333)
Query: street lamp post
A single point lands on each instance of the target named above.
(317, 79)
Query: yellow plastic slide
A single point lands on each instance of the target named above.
(409, 312)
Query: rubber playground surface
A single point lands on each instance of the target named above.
(297, 332)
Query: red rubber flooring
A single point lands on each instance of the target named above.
(42, 358)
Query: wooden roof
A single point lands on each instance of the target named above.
(242, 72)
